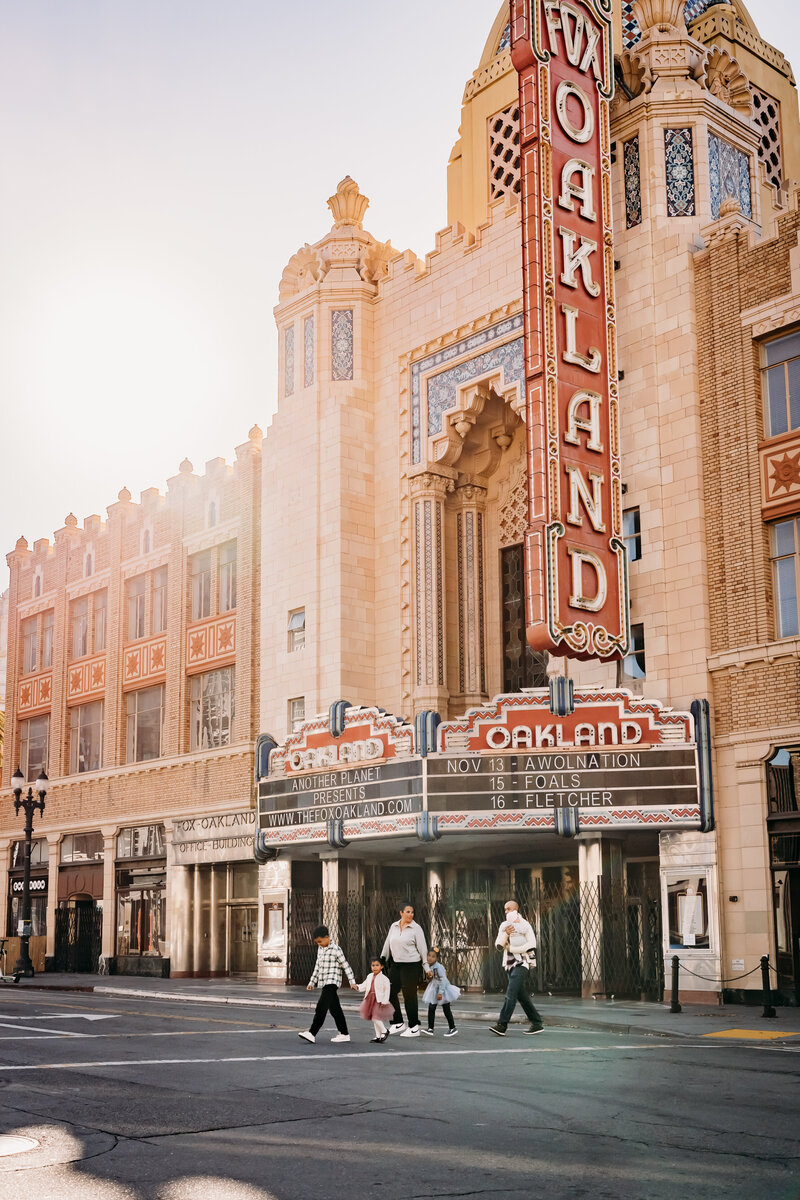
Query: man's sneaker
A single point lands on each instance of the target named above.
(397, 1027)
(451, 1033)
(306, 1036)
(499, 1029)
(532, 1028)
(341, 1037)
(428, 1031)
(412, 1032)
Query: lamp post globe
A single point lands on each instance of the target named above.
(29, 804)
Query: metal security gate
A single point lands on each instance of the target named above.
(600, 937)
(79, 933)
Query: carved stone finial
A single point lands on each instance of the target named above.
(255, 434)
(124, 495)
(186, 467)
(663, 15)
(71, 521)
(729, 205)
(348, 205)
(22, 544)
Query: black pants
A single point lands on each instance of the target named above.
(517, 992)
(328, 1003)
(405, 977)
(448, 1012)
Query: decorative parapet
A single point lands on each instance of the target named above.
(722, 21)
(144, 663)
(35, 694)
(210, 644)
(484, 76)
(86, 680)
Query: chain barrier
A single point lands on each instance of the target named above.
(764, 967)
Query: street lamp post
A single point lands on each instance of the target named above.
(29, 803)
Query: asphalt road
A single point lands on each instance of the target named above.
(151, 1100)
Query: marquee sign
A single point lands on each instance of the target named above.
(576, 570)
(512, 765)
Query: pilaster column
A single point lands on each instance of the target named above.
(428, 491)
(53, 840)
(330, 896)
(5, 854)
(470, 508)
(109, 940)
(600, 871)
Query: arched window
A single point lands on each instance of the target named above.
(88, 566)
(212, 514)
(146, 542)
(37, 585)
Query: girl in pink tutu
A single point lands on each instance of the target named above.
(375, 1006)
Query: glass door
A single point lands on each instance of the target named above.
(244, 937)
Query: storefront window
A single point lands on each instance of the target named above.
(38, 914)
(40, 854)
(687, 905)
(141, 841)
(81, 847)
(140, 921)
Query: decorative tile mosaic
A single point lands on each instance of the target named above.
(505, 40)
(729, 175)
(680, 172)
(288, 360)
(342, 343)
(633, 187)
(308, 352)
(441, 388)
(631, 33)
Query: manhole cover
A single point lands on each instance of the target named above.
(15, 1145)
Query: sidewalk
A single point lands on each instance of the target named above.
(622, 1016)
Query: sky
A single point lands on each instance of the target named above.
(160, 162)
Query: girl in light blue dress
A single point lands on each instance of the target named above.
(439, 991)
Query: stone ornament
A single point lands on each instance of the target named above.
(666, 16)
(725, 79)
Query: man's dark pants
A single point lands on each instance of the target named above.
(518, 991)
(328, 1003)
(405, 977)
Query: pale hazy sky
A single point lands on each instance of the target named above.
(161, 160)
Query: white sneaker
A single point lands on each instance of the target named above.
(413, 1032)
(397, 1028)
(451, 1033)
(429, 1032)
(341, 1037)
(306, 1036)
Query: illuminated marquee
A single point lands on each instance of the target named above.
(576, 571)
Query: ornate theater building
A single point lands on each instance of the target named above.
(506, 604)
(535, 499)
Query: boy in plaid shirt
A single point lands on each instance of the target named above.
(328, 973)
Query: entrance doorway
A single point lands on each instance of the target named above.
(79, 932)
(786, 888)
(243, 939)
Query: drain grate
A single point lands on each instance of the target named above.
(9, 1144)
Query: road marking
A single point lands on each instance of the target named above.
(761, 1035)
(36, 1029)
(56, 1017)
(345, 1056)
(49, 1035)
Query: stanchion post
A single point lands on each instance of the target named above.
(676, 964)
(769, 1011)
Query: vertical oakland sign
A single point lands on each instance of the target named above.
(576, 569)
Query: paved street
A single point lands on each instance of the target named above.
(134, 1097)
